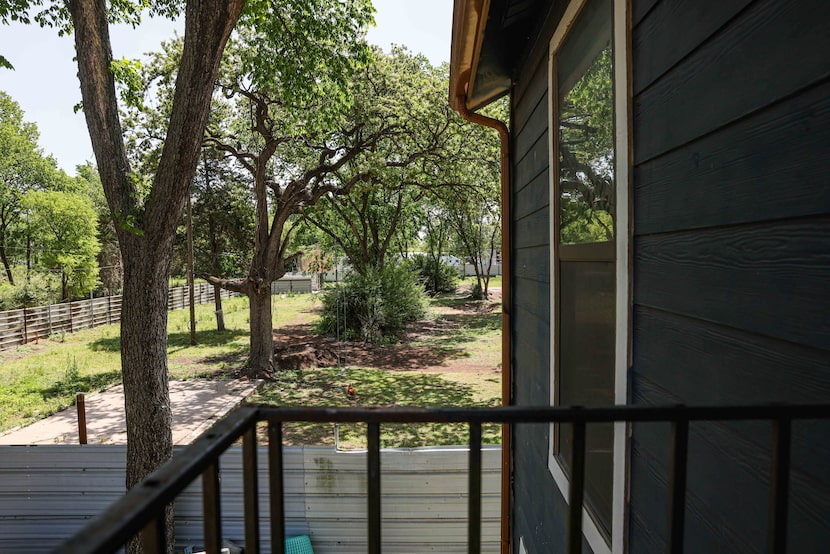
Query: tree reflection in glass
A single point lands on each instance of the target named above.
(586, 155)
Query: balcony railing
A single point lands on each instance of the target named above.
(141, 510)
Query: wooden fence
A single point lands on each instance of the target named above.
(19, 327)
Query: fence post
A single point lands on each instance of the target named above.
(49, 314)
(109, 309)
(79, 401)
(71, 326)
(25, 328)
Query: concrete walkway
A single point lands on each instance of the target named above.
(197, 404)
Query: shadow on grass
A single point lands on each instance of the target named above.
(464, 302)
(475, 322)
(87, 383)
(175, 340)
(327, 387)
(205, 338)
(450, 331)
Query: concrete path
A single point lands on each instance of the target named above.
(197, 404)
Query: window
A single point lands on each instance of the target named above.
(589, 282)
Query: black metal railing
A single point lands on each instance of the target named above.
(142, 509)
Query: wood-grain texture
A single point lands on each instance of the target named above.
(731, 259)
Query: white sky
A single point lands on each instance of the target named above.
(45, 82)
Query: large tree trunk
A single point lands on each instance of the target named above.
(146, 232)
(144, 365)
(261, 362)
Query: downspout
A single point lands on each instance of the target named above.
(506, 377)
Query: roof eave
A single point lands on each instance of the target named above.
(469, 21)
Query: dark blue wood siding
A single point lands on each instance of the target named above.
(731, 260)
(540, 512)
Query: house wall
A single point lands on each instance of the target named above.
(730, 265)
(540, 511)
(731, 259)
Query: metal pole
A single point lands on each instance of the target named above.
(190, 271)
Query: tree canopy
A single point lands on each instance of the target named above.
(146, 207)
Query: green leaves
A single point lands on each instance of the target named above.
(127, 74)
(63, 230)
(303, 52)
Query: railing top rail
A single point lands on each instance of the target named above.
(139, 506)
(544, 414)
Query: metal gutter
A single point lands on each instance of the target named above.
(469, 20)
(460, 105)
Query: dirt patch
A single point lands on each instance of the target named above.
(428, 346)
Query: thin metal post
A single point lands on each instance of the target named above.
(276, 489)
(154, 535)
(373, 474)
(81, 405)
(249, 475)
(49, 311)
(25, 327)
(212, 509)
(190, 275)
(574, 539)
(779, 485)
(678, 458)
(474, 510)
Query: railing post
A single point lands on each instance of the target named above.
(577, 488)
(677, 485)
(212, 517)
(474, 511)
(373, 483)
(276, 489)
(154, 536)
(249, 475)
(779, 485)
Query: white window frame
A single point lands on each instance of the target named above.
(621, 13)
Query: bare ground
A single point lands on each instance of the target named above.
(430, 346)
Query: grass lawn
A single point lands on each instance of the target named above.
(373, 387)
(39, 380)
(451, 359)
(461, 368)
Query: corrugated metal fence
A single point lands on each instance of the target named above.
(48, 492)
(19, 327)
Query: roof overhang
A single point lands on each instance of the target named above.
(489, 39)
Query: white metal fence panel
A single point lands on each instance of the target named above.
(48, 492)
(292, 285)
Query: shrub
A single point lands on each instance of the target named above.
(436, 275)
(374, 305)
(34, 291)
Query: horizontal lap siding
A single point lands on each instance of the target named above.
(540, 511)
(731, 259)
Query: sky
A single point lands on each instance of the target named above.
(45, 84)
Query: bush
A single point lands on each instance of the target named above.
(436, 275)
(375, 305)
(32, 292)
